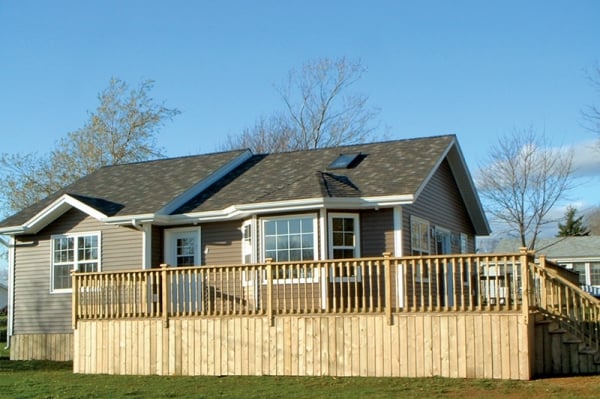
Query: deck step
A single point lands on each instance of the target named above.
(558, 330)
(572, 340)
(588, 351)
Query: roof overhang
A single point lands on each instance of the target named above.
(51, 213)
(245, 210)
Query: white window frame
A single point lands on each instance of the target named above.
(76, 261)
(355, 247)
(295, 280)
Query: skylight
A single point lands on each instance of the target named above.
(343, 161)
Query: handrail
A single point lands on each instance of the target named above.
(564, 301)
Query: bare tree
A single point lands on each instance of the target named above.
(523, 180)
(122, 129)
(593, 221)
(591, 113)
(319, 111)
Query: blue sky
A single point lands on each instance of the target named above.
(477, 69)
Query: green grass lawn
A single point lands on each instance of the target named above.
(38, 379)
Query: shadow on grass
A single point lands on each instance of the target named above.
(7, 365)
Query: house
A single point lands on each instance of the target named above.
(580, 254)
(353, 260)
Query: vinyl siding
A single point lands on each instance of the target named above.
(221, 243)
(36, 309)
(441, 205)
(376, 232)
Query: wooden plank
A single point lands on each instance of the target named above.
(452, 347)
(363, 339)
(420, 348)
(332, 351)
(497, 343)
(428, 338)
(403, 340)
(411, 346)
(316, 339)
(461, 339)
(347, 339)
(309, 345)
(271, 334)
(470, 359)
(301, 348)
(444, 347)
(339, 346)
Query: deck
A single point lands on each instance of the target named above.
(506, 316)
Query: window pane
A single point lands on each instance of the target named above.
(295, 254)
(348, 224)
(270, 243)
(307, 225)
(282, 256)
(270, 228)
(295, 241)
(338, 238)
(282, 227)
(307, 241)
(62, 277)
(595, 273)
(282, 242)
(349, 239)
(308, 254)
(295, 226)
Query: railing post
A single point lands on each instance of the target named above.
(543, 299)
(165, 295)
(270, 291)
(74, 297)
(388, 287)
(525, 277)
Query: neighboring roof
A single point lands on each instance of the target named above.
(559, 247)
(385, 173)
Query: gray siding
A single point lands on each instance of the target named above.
(36, 309)
(377, 232)
(440, 203)
(221, 243)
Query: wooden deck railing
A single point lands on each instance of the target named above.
(363, 286)
(557, 295)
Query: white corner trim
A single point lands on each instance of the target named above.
(204, 184)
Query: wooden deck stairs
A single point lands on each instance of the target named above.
(560, 352)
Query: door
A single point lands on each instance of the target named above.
(182, 249)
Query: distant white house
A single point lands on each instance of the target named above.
(3, 295)
(580, 254)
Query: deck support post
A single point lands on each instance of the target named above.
(270, 291)
(388, 287)
(74, 304)
(165, 295)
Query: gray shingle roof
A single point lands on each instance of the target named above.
(558, 247)
(136, 188)
(393, 168)
(387, 168)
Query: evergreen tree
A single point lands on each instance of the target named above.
(573, 226)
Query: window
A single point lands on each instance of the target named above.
(343, 244)
(463, 243)
(595, 273)
(343, 236)
(80, 252)
(247, 242)
(290, 238)
(419, 234)
(580, 267)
